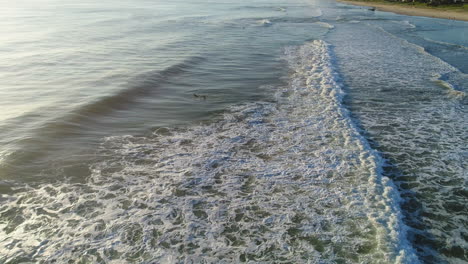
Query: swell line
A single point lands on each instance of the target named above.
(141, 86)
(25, 152)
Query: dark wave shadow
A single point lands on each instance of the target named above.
(46, 144)
(140, 86)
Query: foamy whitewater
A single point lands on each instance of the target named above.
(251, 131)
(286, 181)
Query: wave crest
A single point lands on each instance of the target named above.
(286, 181)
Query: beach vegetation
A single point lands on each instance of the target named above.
(449, 5)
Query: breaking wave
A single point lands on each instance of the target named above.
(290, 181)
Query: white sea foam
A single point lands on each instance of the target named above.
(325, 25)
(446, 43)
(265, 22)
(405, 23)
(281, 9)
(420, 130)
(451, 90)
(445, 67)
(290, 181)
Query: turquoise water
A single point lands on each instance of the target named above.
(244, 131)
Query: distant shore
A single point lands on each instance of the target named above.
(413, 10)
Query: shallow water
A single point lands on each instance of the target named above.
(413, 110)
(219, 132)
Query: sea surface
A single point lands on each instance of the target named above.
(203, 131)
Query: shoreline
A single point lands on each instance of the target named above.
(411, 10)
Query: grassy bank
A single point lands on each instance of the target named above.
(452, 7)
(456, 12)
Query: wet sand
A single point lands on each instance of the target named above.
(412, 10)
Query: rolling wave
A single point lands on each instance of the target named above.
(452, 89)
(140, 86)
(419, 128)
(290, 181)
(40, 138)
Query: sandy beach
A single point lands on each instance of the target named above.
(412, 11)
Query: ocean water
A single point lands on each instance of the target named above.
(222, 132)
